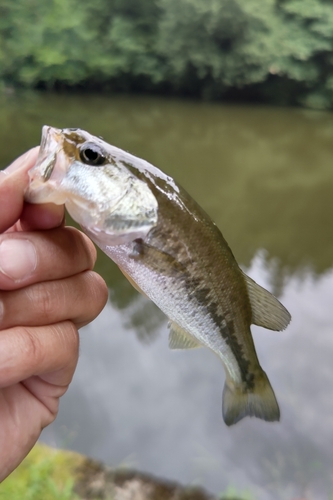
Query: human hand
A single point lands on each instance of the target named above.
(47, 291)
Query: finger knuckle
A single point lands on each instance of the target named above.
(31, 345)
(82, 247)
(45, 299)
(98, 292)
(68, 335)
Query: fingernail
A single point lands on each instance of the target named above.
(18, 258)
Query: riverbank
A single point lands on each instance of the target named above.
(51, 474)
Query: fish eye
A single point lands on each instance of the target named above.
(92, 155)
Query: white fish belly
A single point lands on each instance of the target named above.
(175, 302)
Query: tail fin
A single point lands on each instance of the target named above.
(239, 402)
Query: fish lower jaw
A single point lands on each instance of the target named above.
(41, 192)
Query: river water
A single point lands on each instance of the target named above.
(265, 176)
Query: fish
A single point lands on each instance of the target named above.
(171, 251)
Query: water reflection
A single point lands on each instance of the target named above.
(265, 176)
(160, 411)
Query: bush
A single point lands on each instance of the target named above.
(277, 50)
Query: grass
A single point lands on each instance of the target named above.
(50, 474)
(45, 474)
(233, 493)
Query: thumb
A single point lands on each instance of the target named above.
(13, 182)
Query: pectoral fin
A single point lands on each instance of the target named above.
(267, 311)
(181, 339)
(156, 258)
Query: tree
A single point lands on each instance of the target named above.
(278, 50)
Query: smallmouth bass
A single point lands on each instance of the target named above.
(170, 250)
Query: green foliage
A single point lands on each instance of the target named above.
(239, 43)
(232, 493)
(43, 41)
(276, 50)
(44, 475)
(216, 38)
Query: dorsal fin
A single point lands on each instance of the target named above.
(267, 311)
(181, 339)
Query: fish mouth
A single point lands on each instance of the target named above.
(49, 148)
(49, 170)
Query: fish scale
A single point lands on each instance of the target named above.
(170, 250)
(216, 307)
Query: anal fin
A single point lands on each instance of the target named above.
(180, 338)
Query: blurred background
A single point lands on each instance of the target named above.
(232, 98)
(276, 51)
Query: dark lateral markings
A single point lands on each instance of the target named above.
(168, 265)
(227, 328)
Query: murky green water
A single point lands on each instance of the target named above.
(265, 176)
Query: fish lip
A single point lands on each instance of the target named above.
(47, 165)
(47, 157)
(49, 148)
(41, 174)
